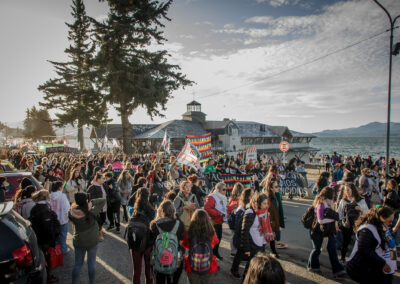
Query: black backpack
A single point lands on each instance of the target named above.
(351, 214)
(137, 233)
(308, 218)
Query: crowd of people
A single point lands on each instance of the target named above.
(175, 213)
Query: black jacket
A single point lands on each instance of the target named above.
(199, 193)
(113, 194)
(2, 194)
(365, 264)
(246, 242)
(392, 200)
(95, 192)
(166, 224)
(45, 224)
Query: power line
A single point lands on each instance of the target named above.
(299, 66)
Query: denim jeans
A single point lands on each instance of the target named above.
(62, 238)
(313, 261)
(91, 262)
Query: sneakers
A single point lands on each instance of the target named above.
(280, 246)
(235, 274)
(340, 274)
(117, 230)
(109, 228)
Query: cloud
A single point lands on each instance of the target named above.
(277, 3)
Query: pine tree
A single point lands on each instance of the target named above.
(74, 91)
(132, 75)
(38, 124)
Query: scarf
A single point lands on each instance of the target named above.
(261, 218)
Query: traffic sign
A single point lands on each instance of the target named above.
(284, 146)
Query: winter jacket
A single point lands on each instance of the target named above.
(113, 195)
(250, 234)
(392, 200)
(86, 228)
(96, 191)
(165, 224)
(199, 193)
(209, 206)
(45, 224)
(72, 188)
(366, 263)
(213, 267)
(125, 190)
(232, 205)
(276, 212)
(60, 205)
(25, 207)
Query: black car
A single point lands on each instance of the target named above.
(21, 260)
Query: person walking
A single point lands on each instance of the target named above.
(83, 214)
(233, 204)
(95, 191)
(60, 205)
(167, 255)
(125, 185)
(370, 258)
(45, 224)
(325, 227)
(185, 204)
(200, 263)
(215, 206)
(113, 202)
(138, 236)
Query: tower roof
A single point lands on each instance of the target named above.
(194, 103)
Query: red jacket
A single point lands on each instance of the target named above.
(215, 215)
(213, 267)
(232, 205)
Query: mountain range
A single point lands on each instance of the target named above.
(373, 129)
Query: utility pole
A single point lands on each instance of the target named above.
(391, 53)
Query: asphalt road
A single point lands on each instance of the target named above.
(114, 263)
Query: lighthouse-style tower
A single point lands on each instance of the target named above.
(193, 113)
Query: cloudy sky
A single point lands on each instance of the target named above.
(307, 64)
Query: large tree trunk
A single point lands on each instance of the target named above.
(81, 139)
(126, 132)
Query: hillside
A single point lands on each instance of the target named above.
(373, 129)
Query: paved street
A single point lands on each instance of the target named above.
(114, 264)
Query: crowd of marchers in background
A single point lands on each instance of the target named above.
(174, 213)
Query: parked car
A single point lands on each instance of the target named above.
(14, 179)
(21, 260)
(6, 166)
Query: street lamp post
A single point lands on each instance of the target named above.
(391, 53)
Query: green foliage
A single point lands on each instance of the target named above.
(38, 124)
(132, 75)
(73, 91)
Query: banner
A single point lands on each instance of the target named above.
(251, 153)
(231, 179)
(202, 144)
(189, 156)
(61, 149)
(166, 143)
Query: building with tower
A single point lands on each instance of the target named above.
(228, 135)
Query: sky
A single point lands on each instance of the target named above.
(306, 64)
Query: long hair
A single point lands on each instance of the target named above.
(354, 192)
(142, 203)
(122, 178)
(166, 210)
(237, 190)
(326, 193)
(258, 199)
(41, 195)
(201, 229)
(322, 181)
(269, 189)
(265, 269)
(245, 197)
(373, 218)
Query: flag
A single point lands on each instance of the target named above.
(166, 143)
(231, 179)
(115, 143)
(202, 144)
(189, 156)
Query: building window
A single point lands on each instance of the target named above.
(262, 127)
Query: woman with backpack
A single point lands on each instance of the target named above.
(275, 210)
(325, 227)
(233, 204)
(351, 206)
(185, 204)
(371, 256)
(45, 224)
(83, 214)
(200, 264)
(256, 228)
(168, 264)
(215, 206)
(244, 203)
(138, 235)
